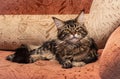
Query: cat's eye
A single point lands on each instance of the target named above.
(84, 32)
(75, 25)
(66, 31)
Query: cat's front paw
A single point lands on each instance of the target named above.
(67, 64)
(78, 64)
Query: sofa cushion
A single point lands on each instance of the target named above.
(30, 22)
(45, 70)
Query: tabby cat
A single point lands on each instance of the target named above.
(73, 46)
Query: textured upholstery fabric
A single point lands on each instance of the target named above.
(27, 29)
(18, 26)
(104, 18)
(45, 70)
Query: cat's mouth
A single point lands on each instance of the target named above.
(74, 39)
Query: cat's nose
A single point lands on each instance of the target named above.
(75, 35)
(71, 36)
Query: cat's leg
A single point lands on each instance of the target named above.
(21, 55)
(24, 54)
(65, 62)
(41, 54)
(78, 64)
(91, 57)
(45, 51)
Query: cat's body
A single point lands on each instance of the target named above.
(73, 46)
(76, 54)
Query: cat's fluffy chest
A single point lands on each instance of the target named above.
(61, 45)
(74, 50)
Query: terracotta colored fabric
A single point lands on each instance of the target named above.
(110, 59)
(44, 6)
(44, 70)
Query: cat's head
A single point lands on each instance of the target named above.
(71, 30)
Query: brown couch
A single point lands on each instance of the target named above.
(16, 29)
(107, 67)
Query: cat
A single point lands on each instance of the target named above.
(73, 47)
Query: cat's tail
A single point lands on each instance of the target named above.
(21, 55)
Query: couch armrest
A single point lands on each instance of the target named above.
(110, 58)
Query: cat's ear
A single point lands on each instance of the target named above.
(81, 17)
(59, 23)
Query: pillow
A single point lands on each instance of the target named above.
(38, 26)
(103, 19)
(26, 29)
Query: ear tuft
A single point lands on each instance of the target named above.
(80, 17)
(59, 23)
